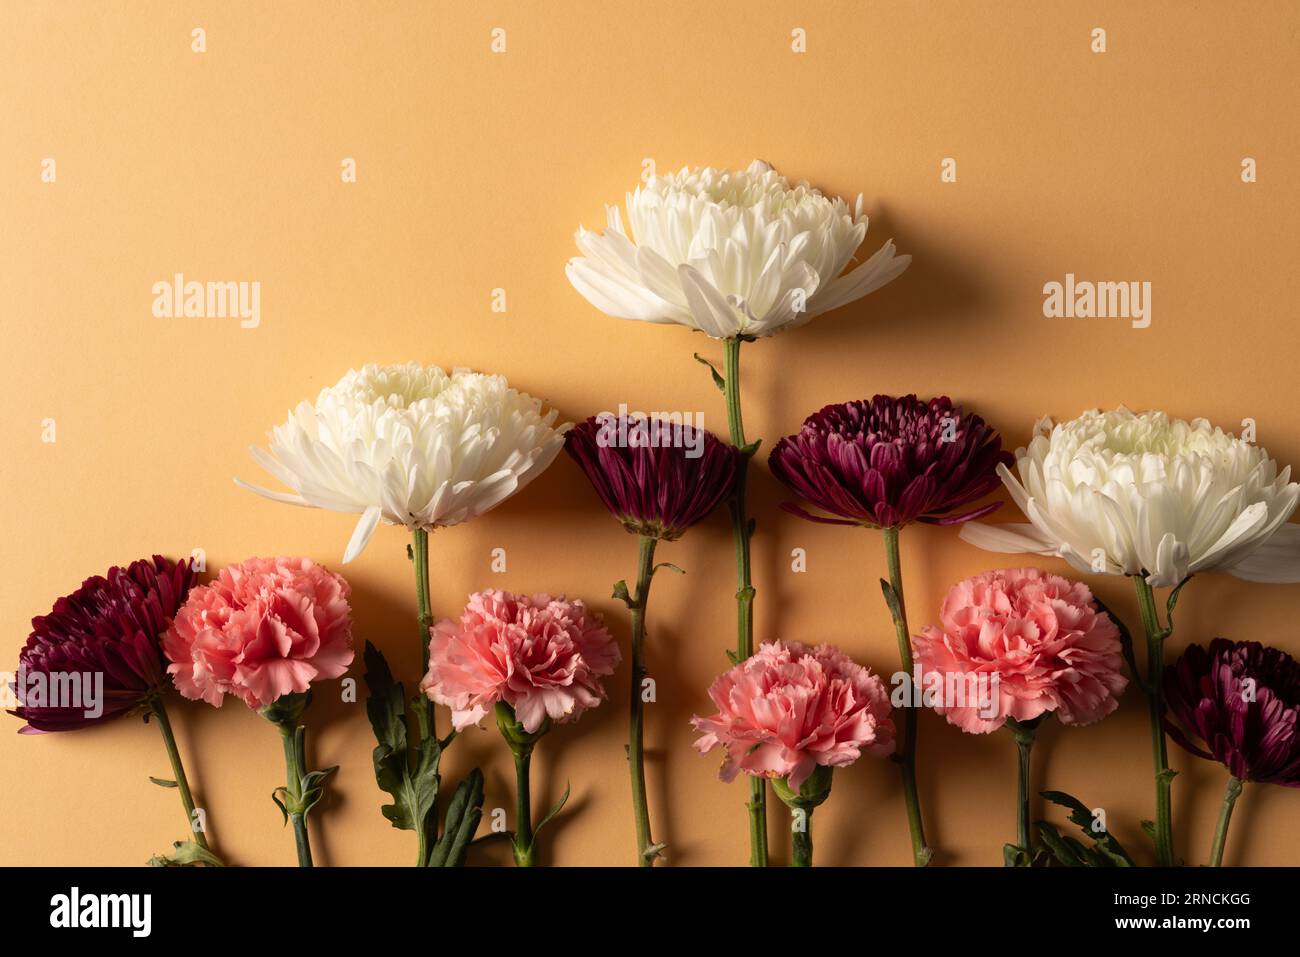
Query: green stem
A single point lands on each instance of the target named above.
(1024, 734)
(178, 770)
(525, 847)
(1156, 636)
(636, 747)
(427, 717)
(295, 767)
(921, 854)
(740, 526)
(801, 842)
(420, 558)
(1230, 795)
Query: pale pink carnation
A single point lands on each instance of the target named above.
(1041, 634)
(264, 628)
(543, 656)
(788, 709)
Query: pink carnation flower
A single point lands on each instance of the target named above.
(788, 709)
(262, 629)
(1041, 634)
(543, 656)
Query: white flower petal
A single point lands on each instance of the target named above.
(1146, 493)
(412, 446)
(750, 237)
(366, 526)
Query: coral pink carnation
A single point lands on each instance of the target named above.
(542, 656)
(1050, 647)
(788, 709)
(264, 628)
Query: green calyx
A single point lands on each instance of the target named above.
(815, 789)
(286, 709)
(520, 741)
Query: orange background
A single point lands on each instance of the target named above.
(474, 169)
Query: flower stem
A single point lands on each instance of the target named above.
(1230, 795)
(801, 842)
(1164, 828)
(420, 558)
(741, 531)
(921, 854)
(295, 768)
(636, 748)
(427, 717)
(1024, 732)
(178, 770)
(525, 847)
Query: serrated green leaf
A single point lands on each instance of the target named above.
(1106, 850)
(1061, 851)
(414, 790)
(386, 703)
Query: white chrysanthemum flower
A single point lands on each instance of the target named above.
(729, 253)
(1130, 494)
(410, 445)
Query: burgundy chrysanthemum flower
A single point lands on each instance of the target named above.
(890, 462)
(110, 626)
(1242, 700)
(658, 478)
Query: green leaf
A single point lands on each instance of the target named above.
(891, 599)
(1061, 851)
(462, 820)
(1013, 855)
(670, 566)
(1173, 600)
(162, 782)
(385, 706)
(186, 854)
(720, 382)
(1106, 851)
(622, 594)
(275, 796)
(748, 451)
(733, 657)
(414, 790)
(1126, 643)
(555, 809)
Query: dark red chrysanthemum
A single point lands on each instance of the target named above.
(658, 478)
(890, 462)
(1242, 700)
(110, 626)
